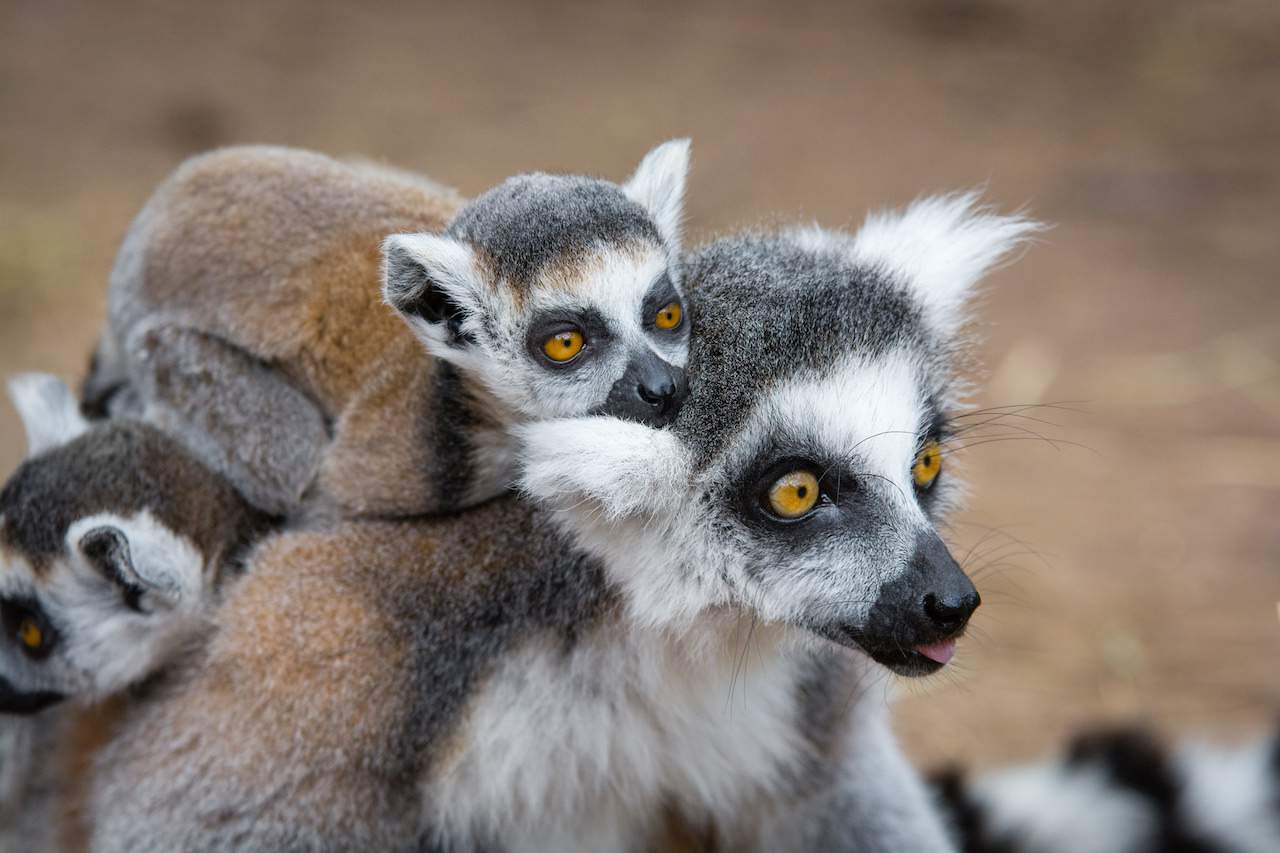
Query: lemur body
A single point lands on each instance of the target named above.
(247, 316)
(665, 625)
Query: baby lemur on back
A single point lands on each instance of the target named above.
(686, 618)
(247, 316)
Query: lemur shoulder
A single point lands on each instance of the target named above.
(247, 314)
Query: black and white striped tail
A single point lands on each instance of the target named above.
(1122, 791)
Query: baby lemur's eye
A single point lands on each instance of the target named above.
(563, 346)
(793, 494)
(669, 316)
(928, 465)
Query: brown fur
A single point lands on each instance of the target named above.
(277, 253)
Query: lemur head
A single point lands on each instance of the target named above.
(112, 540)
(560, 293)
(806, 473)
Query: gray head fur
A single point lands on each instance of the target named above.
(541, 255)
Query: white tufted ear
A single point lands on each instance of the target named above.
(625, 468)
(940, 247)
(434, 283)
(49, 411)
(658, 187)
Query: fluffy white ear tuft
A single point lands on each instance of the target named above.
(658, 186)
(940, 247)
(434, 283)
(49, 411)
(153, 569)
(622, 468)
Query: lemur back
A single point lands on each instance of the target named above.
(248, 314)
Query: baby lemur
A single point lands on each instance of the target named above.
(246, 315)
(680, 619)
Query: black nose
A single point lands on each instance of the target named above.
(650, 392)
(947, 596)
(950, 615)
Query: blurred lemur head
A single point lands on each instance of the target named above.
(806, 473)
(113, 540)
(560, 293)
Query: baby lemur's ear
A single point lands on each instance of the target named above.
(435, 284)
(152, 569)
(49, 411)
(658, 187)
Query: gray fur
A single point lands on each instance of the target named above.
(530, 222)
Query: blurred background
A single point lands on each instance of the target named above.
(1130, 569)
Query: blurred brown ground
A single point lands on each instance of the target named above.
(1136, 578)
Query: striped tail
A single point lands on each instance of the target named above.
(1122, 791)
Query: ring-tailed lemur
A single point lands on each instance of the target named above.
(676, 622)
(1121, 790)
(115, 543)
(246, 316)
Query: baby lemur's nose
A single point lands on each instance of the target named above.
(650, 392)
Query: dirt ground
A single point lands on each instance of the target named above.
(1131, 569)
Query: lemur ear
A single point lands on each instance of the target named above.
(49, 411)
(940, 247)
(434, 282)
(658, 187)
(152, 569)
(625, 468)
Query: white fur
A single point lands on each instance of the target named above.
(49, 411)
(1231, 795)
(608, 732)
(939, 247)
(450, 264)
(1053, 808)
(658, 186)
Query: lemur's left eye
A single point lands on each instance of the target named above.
(793, 494)
(928, 465)
(563, 346)
(669, 316)
(30, 634)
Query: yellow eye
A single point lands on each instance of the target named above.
(669, 316)
(927, 466)
(30, 635)
(793, 495)
(563, 346)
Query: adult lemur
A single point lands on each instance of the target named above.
(682, 618)
(246, 317)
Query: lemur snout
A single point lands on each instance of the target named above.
(949, 597)
(650, 392)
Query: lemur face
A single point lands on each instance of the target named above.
(562, 294)
(96, 585)
(805, 474)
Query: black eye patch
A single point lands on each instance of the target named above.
(25, 623)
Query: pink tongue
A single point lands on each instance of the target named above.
(940, 652)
